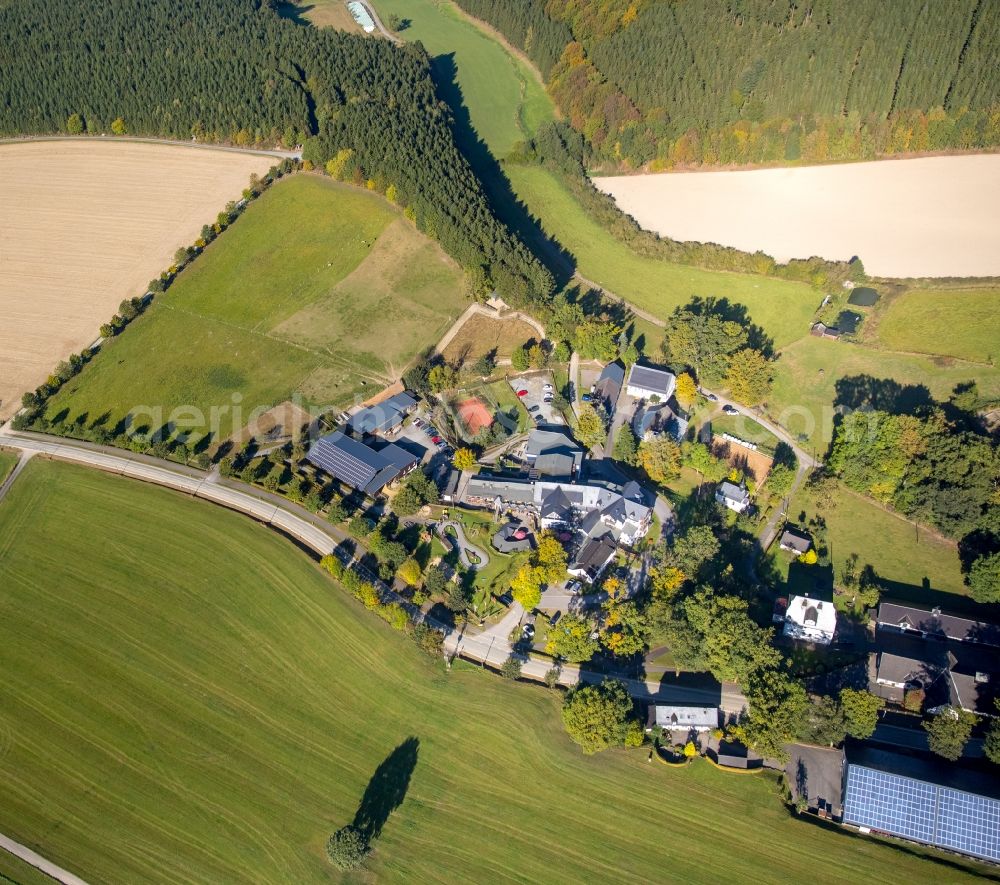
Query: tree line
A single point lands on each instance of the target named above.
(668, 84)
(234, 71)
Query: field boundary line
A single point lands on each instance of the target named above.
(38, 862)
(140, 139)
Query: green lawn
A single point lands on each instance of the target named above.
(784, 309)
(806, 376)
(960, 323)
(320, 291)
(188, 698)
(898, 552)
(16, 871)
(506, 103)
(8, 461)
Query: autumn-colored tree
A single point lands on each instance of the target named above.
(340, 165)
(570, 639)
(660, 457)
(526, 586)
(537, 356)
(118, 126)
(550, 558)
(410, 572)
(441, 377)
(75, 124)
(686, 390)
(749, 376)
(463, 459)
(690, 750)
(589, 426)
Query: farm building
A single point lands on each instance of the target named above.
(358, 465)
(645, 382)
(384, 417)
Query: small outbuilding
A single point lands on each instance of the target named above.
(732, 496)
(795, 541)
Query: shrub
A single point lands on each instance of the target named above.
(333, 565)
(428, 640)
(511, 668)
(347, 848)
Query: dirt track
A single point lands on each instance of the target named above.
(929, 216)
(84, 224)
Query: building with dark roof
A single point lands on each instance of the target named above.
(904, 663)
(645, 382)
(553, 453)
(513, 537)
(936, 624)
(358, 465)
(593, 558)
(795, 541)
(608, 386)
(384, 417)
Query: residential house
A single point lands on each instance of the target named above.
(593, 558)
(645, 382)
(795, 541)
(358, 465)
(904, 663)
(936, 624)
(813, 620)
(608, 386)
(732, 496)
(682, 718)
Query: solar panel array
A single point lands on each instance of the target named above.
(349, 461)
(923, 812)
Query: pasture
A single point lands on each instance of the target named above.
(87, 223)
(880, 211)
(322, 13)
(958, 322)
(188, 698)
(814, 375)
(919, 565)
(320, 292)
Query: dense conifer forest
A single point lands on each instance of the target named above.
(763, 81)
(234, 71)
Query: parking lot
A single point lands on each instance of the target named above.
(418, 432)
(534, 400)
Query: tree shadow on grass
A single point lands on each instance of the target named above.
(386, 790)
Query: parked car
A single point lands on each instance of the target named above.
(417, 422)
(547, 399)
(730, 410)
(533, 408)
(712, 397)
(556, 615)
(506, 598)
(435, 439)
(344, 417)
(539, 419)
(573, 587)
(586, 398)
(528, 631)
(547, 387)
(522, 393)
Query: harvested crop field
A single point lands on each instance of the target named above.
(924, 217)
(88, 223)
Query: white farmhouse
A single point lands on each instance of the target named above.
(732, 496)
(810, 619)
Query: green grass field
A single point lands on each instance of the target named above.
(188, 698)
(960, 323)
(898, 552)
(506, 103)
(16, 871)
(806, 375)
(8, 461)
(320, 290)
(784, 309)
(746, 429)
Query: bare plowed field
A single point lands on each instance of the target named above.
(84, 224)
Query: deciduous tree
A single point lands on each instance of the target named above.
(589, 428)
(861, 709)
(686, 390)
(660, 457)
(570, 639)
(464, 459)
(748, 377)
(598, 716)
(948, 732)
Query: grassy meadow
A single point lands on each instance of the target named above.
(960, 323)
(188, 698)
(320, 290)
(806, 380)
(8, 461)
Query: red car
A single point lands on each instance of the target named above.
(522, 393)
(435, 439)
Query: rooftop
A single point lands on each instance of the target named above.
(685, 717)
(353, 462)
(657, 381)
(936, 623)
